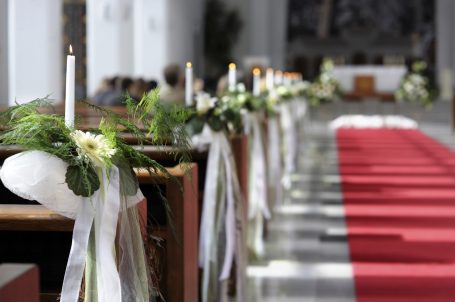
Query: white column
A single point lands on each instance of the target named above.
(259, 27)
(278, 12)
(166, 33)
(3, 52)
(34, 49)
(264, 30)
(150, 55)
(109, 40)
(445, 37)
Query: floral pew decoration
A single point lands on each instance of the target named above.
(416, 86)
(223, 225)
(290, 103)
(89, 177)
(252, 109)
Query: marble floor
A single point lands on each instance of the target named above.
(307, 255)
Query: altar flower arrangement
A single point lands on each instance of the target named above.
(88, 176)
(325, 88)
(416, 87)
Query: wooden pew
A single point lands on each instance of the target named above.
(35, 225)
(19, 282)
(164, 156)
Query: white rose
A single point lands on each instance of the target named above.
(204, 102)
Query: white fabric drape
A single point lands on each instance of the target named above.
(222, 215)
(39, 176)
(275, 172)
(258, 208)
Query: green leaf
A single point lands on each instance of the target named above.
(195, 126)
(83, 182)
(215, 123)
(128, 180)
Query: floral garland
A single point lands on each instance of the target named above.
(415, 87)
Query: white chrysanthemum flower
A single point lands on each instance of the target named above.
(273, 98)
(241, 98)
(95, 147)
(204, 102)
(241, 87)
(282, 90)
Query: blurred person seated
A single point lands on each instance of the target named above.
(116, 98)
(138, 89)
(106, 91)
(152, 84)
(222, 85)
(173, 92)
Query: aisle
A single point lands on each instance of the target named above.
(307, 256)
(399, 197)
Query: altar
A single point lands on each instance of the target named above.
(383, 79)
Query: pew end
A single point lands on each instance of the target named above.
(19, 282)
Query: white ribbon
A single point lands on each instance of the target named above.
(257, 201)
(220, 201)
(290, 141)
(274, 158)
(258, 207)
(39, 176)
(78, 253)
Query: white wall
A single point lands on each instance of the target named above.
(149, 34)
(264, 30)
(34, 48)
(109, 40)
(3, 52)
(278, 12)
(142, 43)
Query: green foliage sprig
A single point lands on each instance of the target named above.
(25, 125)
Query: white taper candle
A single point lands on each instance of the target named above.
(256, 81)
(69, 92)
(269, 79)
(278, 77)
(232, 77)
(189, 84)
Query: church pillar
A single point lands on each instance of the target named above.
(277, 28)
(3, 52)
(445, 39)
(109, 40)
(34, 49)
(264, 31)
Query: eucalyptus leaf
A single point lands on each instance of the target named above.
(82, 182)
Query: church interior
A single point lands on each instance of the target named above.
(227, 151)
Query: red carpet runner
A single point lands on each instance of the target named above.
(399, 197)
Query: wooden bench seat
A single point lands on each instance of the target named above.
(21, 217)
(36, 234)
